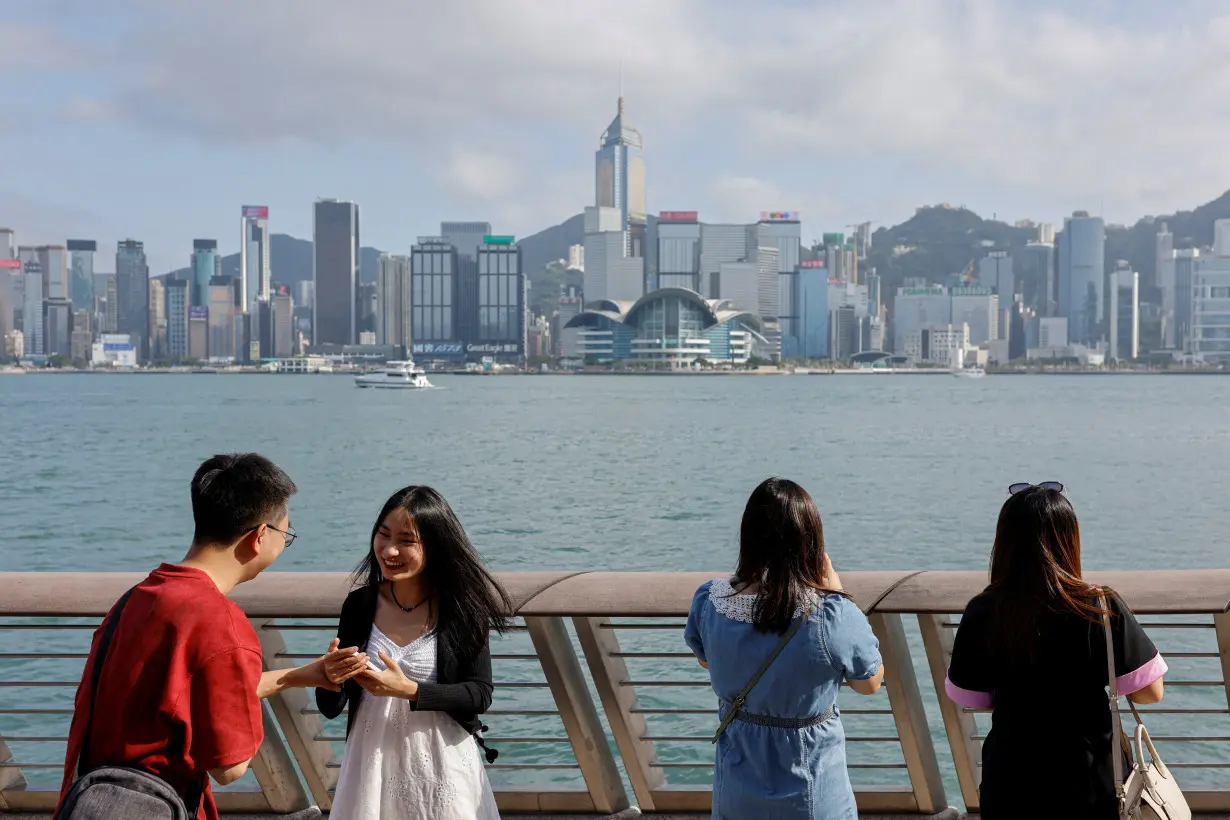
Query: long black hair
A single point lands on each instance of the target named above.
(781, 548)
(1036, 570)
(470, 602)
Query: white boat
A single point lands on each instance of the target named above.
(395, 376)
(959, 368)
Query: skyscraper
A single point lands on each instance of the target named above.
(1036, 266)
(206, 264)
(393, 303)
(157, 320)
(254, 269)
(501, 300)
(54, 259)
(433, 266)
(619, 179)
(1124, 312)
(178, 292)
(678, 250)
(784, 231)
(8, 246)
(32, 308)
(335, 271)
(995, 272)
(132, 295)
(223, 340)
(81, 264)
(283, 323)
(58, 327)
(1082, 274)
(1164, 281)
(610, 273)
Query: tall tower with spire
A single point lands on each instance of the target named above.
(619, 179)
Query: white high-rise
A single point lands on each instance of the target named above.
(1164, 279)
(393, 306)
(254, 270)
(609, 272)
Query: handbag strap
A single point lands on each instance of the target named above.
(192, 800)
(1118, 741)
(737, 704)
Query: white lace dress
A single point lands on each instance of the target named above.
(401, 764)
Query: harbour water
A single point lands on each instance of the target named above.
(642, 473)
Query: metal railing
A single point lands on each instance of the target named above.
(599, 705)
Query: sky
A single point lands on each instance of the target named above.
(158, 120)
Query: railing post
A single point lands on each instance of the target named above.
(275, 771)
(10, 778)
(960, 725)
(905, 699)
(578, 712)
(1221, 624)
(601, 647)
(301, 730)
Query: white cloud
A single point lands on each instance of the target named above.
(1082, 105)
(481, 175)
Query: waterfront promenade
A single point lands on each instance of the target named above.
(604, 647)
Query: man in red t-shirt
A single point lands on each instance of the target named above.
(181, 687)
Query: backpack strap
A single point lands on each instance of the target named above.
(100, 659)
(192, 799)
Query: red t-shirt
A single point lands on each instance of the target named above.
(177, 695)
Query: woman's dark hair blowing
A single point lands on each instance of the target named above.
(1036, 569)
(781, 548)
(470, 601)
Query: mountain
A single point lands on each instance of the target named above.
(942, 240)
(936, 242)
(290, 261)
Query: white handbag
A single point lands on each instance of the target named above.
(1149, 791)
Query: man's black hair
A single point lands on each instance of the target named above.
(235, 492)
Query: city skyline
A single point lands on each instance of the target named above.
(924, 105)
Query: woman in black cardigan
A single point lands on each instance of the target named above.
(415, 669)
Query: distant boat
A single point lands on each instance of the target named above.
(959, 368)
(395, 376)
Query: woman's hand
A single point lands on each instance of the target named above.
(829, 579)
(391, 682)
(343, 664)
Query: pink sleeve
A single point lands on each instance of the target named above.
(968, 697)
(1141, 677)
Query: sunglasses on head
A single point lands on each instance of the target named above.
(1025, 485)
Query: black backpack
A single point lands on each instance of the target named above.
(115, 792)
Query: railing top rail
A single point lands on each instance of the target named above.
(613, 594)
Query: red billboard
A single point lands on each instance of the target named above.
(256, 211)
(10, 264)
(678, 216)
(811, 263)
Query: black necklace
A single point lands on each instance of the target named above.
(393, 592)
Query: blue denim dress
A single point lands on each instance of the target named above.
(767, 772)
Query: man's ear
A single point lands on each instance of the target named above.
(248, 547)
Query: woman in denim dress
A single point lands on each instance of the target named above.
(784, 755)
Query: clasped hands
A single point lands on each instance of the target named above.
(340, 665)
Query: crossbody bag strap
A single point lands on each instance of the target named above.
(741, 698)
(100, 659)
(1117, 739)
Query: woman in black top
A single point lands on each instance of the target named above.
(1031, 647)
(421, 618)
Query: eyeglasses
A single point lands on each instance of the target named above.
(1025, 485)
(289, 533)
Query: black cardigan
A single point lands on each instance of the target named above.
(463, 685)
